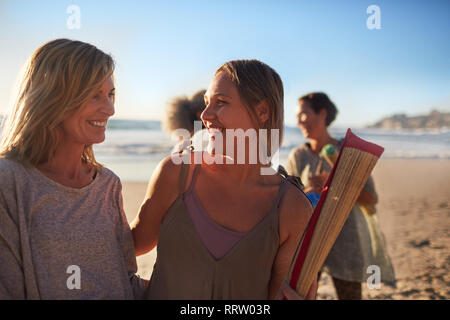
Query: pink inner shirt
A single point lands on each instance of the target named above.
(216, 238)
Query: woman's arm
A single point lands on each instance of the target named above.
(12, 284)
(125, 239)
(366, 198)
(368, 194)
(162, 191)
(295, 213)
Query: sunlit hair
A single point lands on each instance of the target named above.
(257, 82)
(58, 78)
(182, 111)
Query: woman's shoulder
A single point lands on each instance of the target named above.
(170, 170)
(294, 196)
(13, 176)
(108, 173)
(8, 164)
(295, 205)
(172, 164)
(292, 179)
(300, 151)
(106, 181)
(294, 213)
(10, 168)
(107, 177)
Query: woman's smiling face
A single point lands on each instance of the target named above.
(312, 124)
(224, 109)
(88, 124)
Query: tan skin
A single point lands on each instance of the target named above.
(313, 126)
(85, 126)
(241, 196)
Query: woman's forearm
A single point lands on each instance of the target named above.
(366, 198)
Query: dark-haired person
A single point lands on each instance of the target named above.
(226, 231)
(181, 113)
(360, 243)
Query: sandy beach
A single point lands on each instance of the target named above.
(414, 215)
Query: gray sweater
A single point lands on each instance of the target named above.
(58, 242)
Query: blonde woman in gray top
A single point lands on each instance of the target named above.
(63, 232)
(224, 230)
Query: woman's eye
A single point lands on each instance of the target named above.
(221, 102)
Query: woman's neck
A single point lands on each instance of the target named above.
(239, 173)
(66, 164)
(319, 142)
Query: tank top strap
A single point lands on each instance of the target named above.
(281, 192)
(183, 177)
(287, 179)
(194, 177)
(296, 181)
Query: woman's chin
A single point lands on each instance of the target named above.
(308, 135)
(96, 140)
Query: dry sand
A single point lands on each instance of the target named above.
(414, 215)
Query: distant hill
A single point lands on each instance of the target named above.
(434, 120)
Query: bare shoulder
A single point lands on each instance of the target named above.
(296, 203)
(169, 168)
(162, 191)
(295, 212)
(166, 176)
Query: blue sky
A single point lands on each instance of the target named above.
(169, 48)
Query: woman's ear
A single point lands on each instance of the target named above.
(262, 112)
(323, 113)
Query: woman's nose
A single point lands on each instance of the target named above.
(208, 113)
(108, 107)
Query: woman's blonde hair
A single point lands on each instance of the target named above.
(59, 77)
(257, 82)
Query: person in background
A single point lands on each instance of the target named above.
(63, 231)
(181, 113)
(224, 230)
(360, 243)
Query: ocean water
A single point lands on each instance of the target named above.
(132, 149)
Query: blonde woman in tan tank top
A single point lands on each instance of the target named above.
(225, 230)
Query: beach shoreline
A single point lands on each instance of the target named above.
(414, 214)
